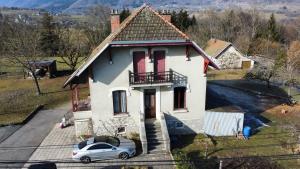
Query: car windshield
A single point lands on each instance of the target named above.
(82, 144)
(108, 139)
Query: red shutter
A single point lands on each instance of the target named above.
(159, 64)
(139, 64)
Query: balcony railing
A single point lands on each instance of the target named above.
(156, 78)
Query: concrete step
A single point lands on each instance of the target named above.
(155, 139)
(153, 134)
(161, 151)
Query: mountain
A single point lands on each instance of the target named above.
(52, 5)
(82, 5)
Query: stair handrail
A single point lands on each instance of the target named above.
(165, 132)
(143, 136)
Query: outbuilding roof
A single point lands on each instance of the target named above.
(215, 47)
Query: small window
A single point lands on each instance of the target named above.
(119, 101)
(179, 124)
(100, 146)
(179, 97)
(121, 130)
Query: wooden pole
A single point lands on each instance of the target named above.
(221, 164)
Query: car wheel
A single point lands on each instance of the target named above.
(85, 159)
(124, 156)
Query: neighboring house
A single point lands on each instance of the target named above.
(227, 55)
(146, 72)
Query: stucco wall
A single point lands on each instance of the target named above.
(109, 77)
(231, 59)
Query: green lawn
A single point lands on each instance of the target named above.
(18, 98)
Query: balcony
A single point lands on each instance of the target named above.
(156, 78)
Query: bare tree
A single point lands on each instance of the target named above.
(23, 49)
(72, 49)
(292, 63)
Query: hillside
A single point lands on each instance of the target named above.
(81, 5)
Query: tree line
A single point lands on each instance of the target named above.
(257, 35)
(249, 31)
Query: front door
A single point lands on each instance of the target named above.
(150, 103)
(159, 65)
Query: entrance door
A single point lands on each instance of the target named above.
(150, 103)
(139, 65)
(159, 65)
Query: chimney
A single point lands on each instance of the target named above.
(166, 15)
(114, 20)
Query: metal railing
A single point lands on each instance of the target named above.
(155, 77)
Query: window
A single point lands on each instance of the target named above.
(100, 146)
(119, 101)
(179, 124)
(179, 97)
(121, 130)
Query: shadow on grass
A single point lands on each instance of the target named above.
(248, 96)
(62, 73)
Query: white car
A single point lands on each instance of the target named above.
(103, 147)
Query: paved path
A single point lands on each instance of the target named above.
(250, 103)
(56, 149)
(7, 131)
(21, 144)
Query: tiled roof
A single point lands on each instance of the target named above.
(215, 47)
(149, 25)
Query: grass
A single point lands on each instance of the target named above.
(282, 137)
(278, 139)
(18, 97)
(18, 70)
(231, 74)
(234, 78)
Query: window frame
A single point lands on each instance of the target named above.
(178, 99)
(99, 144)
(120, 102)
(121, 132)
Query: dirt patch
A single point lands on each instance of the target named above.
(285, 110)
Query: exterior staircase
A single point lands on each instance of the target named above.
(154, 137)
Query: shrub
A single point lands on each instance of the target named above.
(182, 160)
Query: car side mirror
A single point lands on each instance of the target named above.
(114, 148)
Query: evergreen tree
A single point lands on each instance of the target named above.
(182, 20)
(49, 39)
(193, 21)
(124, 14)
(273, 29)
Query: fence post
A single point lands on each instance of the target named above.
(221, 164)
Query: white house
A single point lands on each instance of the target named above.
(227, 55)
(145, 75)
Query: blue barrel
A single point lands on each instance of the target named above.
(247, 132)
